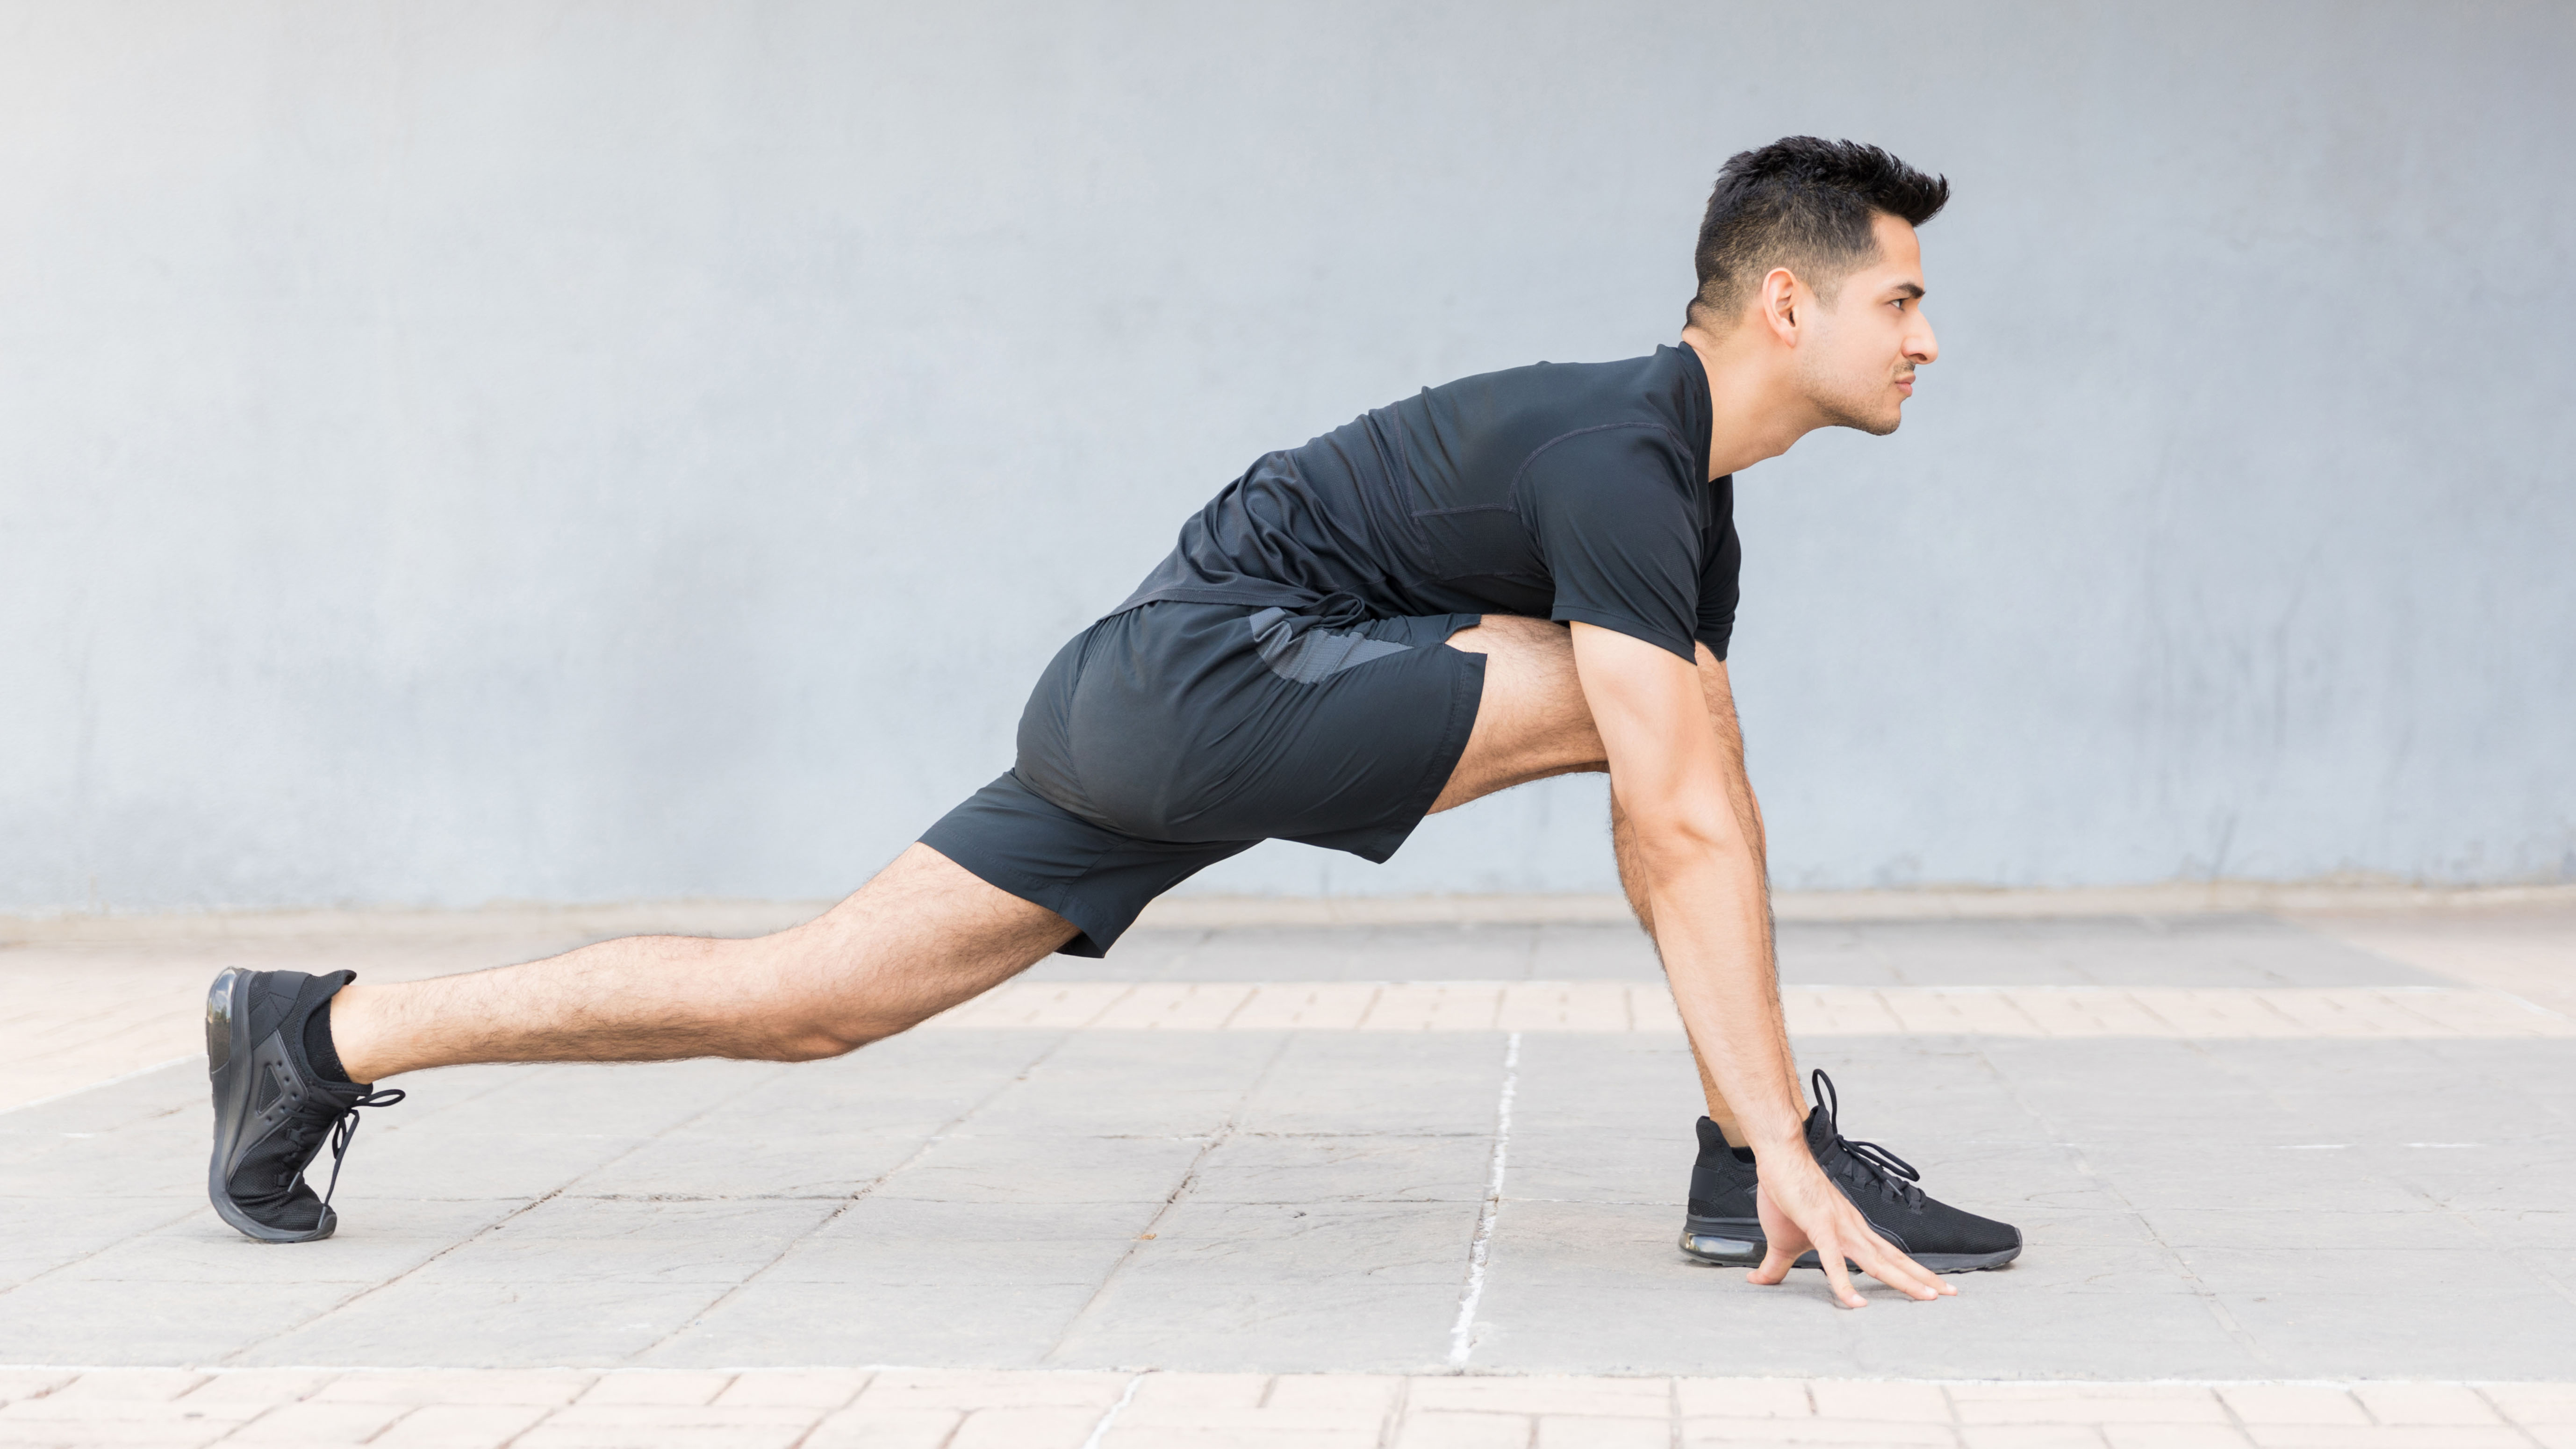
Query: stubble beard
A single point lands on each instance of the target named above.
(1867, 412)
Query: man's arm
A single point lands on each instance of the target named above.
(1719, 695)
(1677, 776)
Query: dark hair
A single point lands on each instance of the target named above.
(1806, 204)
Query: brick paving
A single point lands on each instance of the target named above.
(2057, 1012)
(816, 1409)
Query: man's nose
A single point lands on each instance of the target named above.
(1923, 347)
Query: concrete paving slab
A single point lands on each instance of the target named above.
(47, 1234)
(63, 1319)
(200, 1248)
(1288, 1244)
(1110, 1081)
(903, 1243)
(697, 1162)
(2527, 1228)
(2244, 950)
(584, 1323)
(1352, 1083)
(1269, 1168)
(2481, 1325)
(652, 1242)
(1048, 1168)
(1602, 1236)
(965, 1323)
(1980, 1334)
(2225, 1208)
(1349, 1325)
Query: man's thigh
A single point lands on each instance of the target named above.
(1532, 721)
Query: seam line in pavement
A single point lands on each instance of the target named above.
(513, 1215)
(107, 1247)
(851, 1200)
(1225, 1133)
(1462, 1334)
(2208, 1298)
(105, 1082)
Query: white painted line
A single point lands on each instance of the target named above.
(1462, 1334)
(1100, 1430)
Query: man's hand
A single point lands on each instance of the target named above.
(1678, 782)
(1801, 1209)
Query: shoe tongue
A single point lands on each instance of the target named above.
(1820, 1132)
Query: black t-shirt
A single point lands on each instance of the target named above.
(1560, 491)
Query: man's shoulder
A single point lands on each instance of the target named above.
(1577, 389)
(1659, 399)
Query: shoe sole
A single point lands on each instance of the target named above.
(233, 1072)
(1738, 1243)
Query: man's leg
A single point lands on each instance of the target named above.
(1531, 723)
(922, 936)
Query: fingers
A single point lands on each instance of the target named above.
(1879, 1258)
(1776, 1262)
(1902, 1273)
(1793, 1220)
(1829, 1255)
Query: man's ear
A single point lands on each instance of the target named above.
(1783, 300)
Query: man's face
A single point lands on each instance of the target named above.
(1858, 364)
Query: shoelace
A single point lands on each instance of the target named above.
(345, 1127)
(1874, 1166)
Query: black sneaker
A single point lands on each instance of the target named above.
(272, 1110)
(1722, 1225)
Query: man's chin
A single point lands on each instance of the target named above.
(1877, 425)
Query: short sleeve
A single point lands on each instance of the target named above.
(1618, 523)
(1721, 565)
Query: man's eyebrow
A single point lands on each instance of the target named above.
(1909, 289)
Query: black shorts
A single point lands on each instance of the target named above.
(1169, 737)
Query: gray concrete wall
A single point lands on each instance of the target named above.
(588, 451)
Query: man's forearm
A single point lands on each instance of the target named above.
(1748, 950)
(1689, 823)
(1711, 923)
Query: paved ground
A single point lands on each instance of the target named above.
(2245, 1150)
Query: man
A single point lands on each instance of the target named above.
(1510, 577)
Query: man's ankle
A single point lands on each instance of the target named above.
(356, 1039)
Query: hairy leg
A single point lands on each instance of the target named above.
(1531, 720)
(922, 936)
(1531, 723)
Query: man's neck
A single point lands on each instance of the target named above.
(1755, 411)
